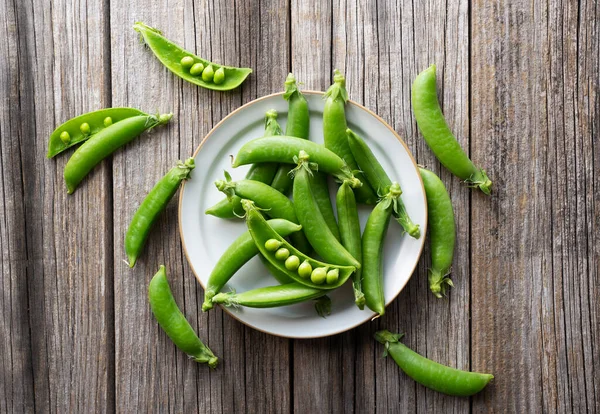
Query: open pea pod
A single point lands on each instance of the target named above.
(190, 67)
(295, 264)
(82, 127)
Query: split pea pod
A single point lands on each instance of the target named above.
(155, 203)
(334, 132)
(431, 374)
(298, 125)
(349, 225)
(439, 137)
(104, 143)
(295, 264)
(317, 232)
(286, 149)
(442, 232)
(173, 322)
(263, 172)
(271, 296)
(275, 204)
(239, 253)
(82, 127)
(379, 180)
(372, 250)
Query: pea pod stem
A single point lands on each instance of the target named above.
(271, 296)
(437, 133)
(431, 374)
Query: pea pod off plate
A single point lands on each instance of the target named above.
(205, 237)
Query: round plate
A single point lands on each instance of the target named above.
(206, 237)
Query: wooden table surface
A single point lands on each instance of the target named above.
(519, 84)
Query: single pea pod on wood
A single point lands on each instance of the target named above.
(442, 232)
(82, 127)
(155, 203)
(297, 265)
(173, 322)
(188, 66)
(104, 143)
(379, 180)
(431, 374)
(271, 296)
(239, 253)
(439, 137)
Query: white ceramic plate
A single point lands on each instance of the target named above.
(205, 237)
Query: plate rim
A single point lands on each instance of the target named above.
(423, 230)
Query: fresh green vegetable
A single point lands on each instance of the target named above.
(270, 297)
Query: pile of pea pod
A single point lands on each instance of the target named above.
(286, 205)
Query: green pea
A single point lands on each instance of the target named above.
(208, 73)
(272, 245)
(219, 76)
(65, 137)
(187, 62)
(197, 69)
(318, 276)
(304, 270)
(108, 121)
(292, 263)
(282, 254)
(85, 128)
(333, 276)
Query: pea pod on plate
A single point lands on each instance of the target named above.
(188, 66)
(271, 296)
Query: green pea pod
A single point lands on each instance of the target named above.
(239, 253)
(317, 232)
(320, 189)
(439, 137)
(184, 64)
(104, 143)
(277, 273)
(271, 244)
(271, 296)
(155, 203)
(442, 232)
(334, 132)
(349, 225)
(431, 374)
(97, 121)
(275, 204)
(263, 172)
(173, 322)
(372, 250)
(379, 180)
(286, 149)
(298, 125)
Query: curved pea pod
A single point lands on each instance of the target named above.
(73, 131)
(155, 203)
(431, 374)
(297, 125)
(173, 322)
(239, 253)
(317, 231)
(320, 190)
(334, 132)
(349, 226)
(104, 143)
(183, 63)
(286, 149)
(439, 137)
(270, 243)
(379, 180)
(442, 232)
(271, 296)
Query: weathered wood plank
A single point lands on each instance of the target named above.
(535, 279)
(56, 245)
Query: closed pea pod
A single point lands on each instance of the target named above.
(442, 232)
(271, 296)
(320, 190)
(240, 252)
(439, 137)
(155, 203)
(173, 322)
(104, 143)
(431, 374)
